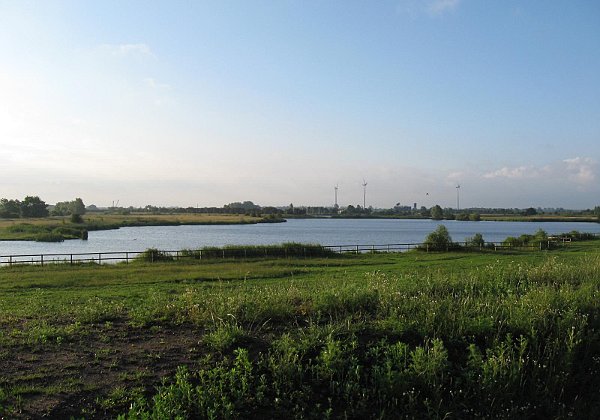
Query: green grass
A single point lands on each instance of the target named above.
(416, 334)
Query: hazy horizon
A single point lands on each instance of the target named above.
(207, 103)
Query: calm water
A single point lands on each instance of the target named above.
(322, 231)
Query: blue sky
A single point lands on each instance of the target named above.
(205, 103)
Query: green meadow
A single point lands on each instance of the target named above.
(412, 335)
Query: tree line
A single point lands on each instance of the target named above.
(34, 206)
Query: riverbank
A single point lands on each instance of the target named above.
(56, 229)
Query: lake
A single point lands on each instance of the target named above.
(322, 231)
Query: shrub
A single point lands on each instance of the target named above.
(578, 236)
(525, 240)
(76, 218)
(475, 241)
(462, 217)
(290, 249)
(439, 239)
(67, 232)
(475, 217)
(154, 255)
(540, 235)
(49, 237)
(512, 241)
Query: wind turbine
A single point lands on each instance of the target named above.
(364, 184)
(336, 190)
(457, 197)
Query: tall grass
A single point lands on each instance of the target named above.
(367, 336)
(506, 341)
(285, 250)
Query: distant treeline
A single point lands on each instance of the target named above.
(34, 206)
(28, 207)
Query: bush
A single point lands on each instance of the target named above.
(512, 241)
(475, 217)
(475, 241)
(439, 239)
(464, 217)
(154, 255)
(540, 235)
(527, 240)
(578, 236)
(49, 237)
(290, 249)
(76, 218)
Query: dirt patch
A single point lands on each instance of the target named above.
(95, 374)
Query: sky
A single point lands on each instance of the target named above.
(203, 103)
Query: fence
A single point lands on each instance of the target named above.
(269, 251)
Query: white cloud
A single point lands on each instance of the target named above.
(579, 170)
(128, 49)
(518, 172)
(439, 7)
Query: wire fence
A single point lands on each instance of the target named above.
(309, 251)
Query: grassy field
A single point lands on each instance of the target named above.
(412, 335)
(49, 228)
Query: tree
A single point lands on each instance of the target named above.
(66, 208)
(437, 213)
(10, 209)
(597, 212)
(33, 207)
(530, 212)
(77, 207)
(439, 239)
(60, 209)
